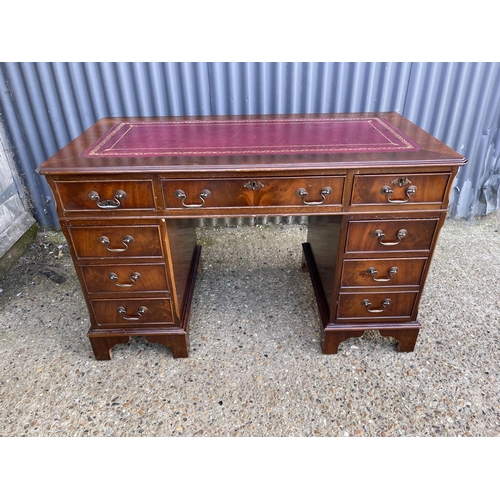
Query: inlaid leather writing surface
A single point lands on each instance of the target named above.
(251, 137)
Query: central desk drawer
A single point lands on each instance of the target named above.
(116, 241)
(125, 278)
(390, 235)
(252, 192)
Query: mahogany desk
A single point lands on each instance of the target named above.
(374, 186)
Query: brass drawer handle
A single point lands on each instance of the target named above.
(410, 191)
(137, 317)
(402, 233)
(203, 196)
(368, 304)
(324, 193)
(372, 272)
(126, 241)
(133, 278)
(114, 203)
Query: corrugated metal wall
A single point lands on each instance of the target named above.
(45, 105)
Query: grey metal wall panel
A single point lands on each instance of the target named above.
(460, 104)
(45, 105)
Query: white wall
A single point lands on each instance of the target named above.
(15, 218)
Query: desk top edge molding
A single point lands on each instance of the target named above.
(432, 152)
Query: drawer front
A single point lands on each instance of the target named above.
(132, 312)
(116, 241)
(382, 272)
(375, 306)
(402, 189)
(390, 235)
(106, 196)
(125, 278)
(265, 192)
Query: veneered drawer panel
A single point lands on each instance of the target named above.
(382, 272)
(375, 306)
(253, 192)
(106, 196)
(125, 278)
(116, 241)
(390, 235)
(402, 189)
(132, 312)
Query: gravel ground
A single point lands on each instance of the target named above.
(255, 367)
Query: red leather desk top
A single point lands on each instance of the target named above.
(248, 137)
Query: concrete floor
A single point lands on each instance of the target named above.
(255, 367)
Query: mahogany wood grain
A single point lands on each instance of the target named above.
(178, 343)
(157, 311)
(397, 272)
(351, 306)
(429, 188)
(70, 159)
(355, 226)
(406, 335)
(113, 241)
(125, 278)
(181, 240)
(362, 235)
(250, 192)
(135, 195)
(323, 236)
(102, 345)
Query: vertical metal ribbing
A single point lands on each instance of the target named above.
(45, 105)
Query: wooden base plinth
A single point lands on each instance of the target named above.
(102, 344)
(334, 334)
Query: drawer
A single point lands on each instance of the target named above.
(247, 192)
(125, 278)
(376, 306)
(390, 235)
(382, 272)
(116, 241)
(407, 189)
(106, 196)
(132, 312)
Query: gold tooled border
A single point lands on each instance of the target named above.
(96, 149)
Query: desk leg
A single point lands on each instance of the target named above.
(330, 340)
(406, 337)
(406, 334)
(177, 343)
(102, 345)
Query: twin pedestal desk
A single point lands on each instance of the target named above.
(375, 188)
